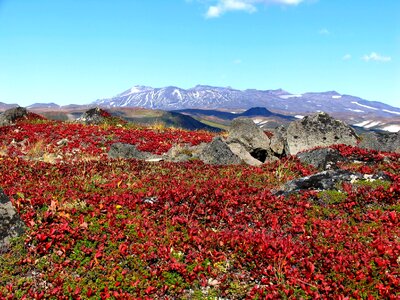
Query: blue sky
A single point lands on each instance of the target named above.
(77, 51)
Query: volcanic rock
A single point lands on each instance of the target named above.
(318, 130)
(218, 153)
(93, 116)
(322, 159)
(11, 224)
(381, 141)
(11, 115)
(326, 180)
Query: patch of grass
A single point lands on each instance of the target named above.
(373, 183)
(332, 196)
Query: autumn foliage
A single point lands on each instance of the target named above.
(129, 229)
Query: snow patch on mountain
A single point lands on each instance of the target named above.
(366, 106)
(391, 112)
(362, 124)
(290, 96)
(392, 128)
(369, 124)
(355, 110)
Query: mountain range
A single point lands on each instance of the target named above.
(281, 101)
(217, 106)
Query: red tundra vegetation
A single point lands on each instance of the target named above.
(126, 229)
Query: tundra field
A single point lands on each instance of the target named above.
(102, 228)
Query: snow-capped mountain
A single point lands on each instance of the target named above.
(209, 97)
(351, 109)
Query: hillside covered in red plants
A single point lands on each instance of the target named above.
(101, 228)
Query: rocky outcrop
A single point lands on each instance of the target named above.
(11, 224)
(322, 159)
(318, 130)
(326, 180)
(381, 141)
(219, 153)
(93, 116)
(11, 115)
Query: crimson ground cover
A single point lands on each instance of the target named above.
(128, 229)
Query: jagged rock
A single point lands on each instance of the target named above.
(11, 224)
(121, 150)
(93, 116)
(218, 153)
(326, 180)
(318, 130)
(11, 115)
(381, 141)
(322, 159)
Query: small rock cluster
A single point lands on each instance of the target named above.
(246, 143)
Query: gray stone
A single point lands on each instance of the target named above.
(245, 132)
(121, 150)
(381, 141)
(278, 141)
(318, 130)
(247, 138)
(182, 153)
(92, 116)
(322, 159)
(11, 115)
(241, 152)
(11, 224)
(326, 180)
(218, 153)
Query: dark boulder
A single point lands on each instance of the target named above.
(11, 115)
(11, 224)
(326, 180)
(322, 159)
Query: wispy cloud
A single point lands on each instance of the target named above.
(249, 6)
(237, 61)
(346, 57)
(376, 57)
(324, 31)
